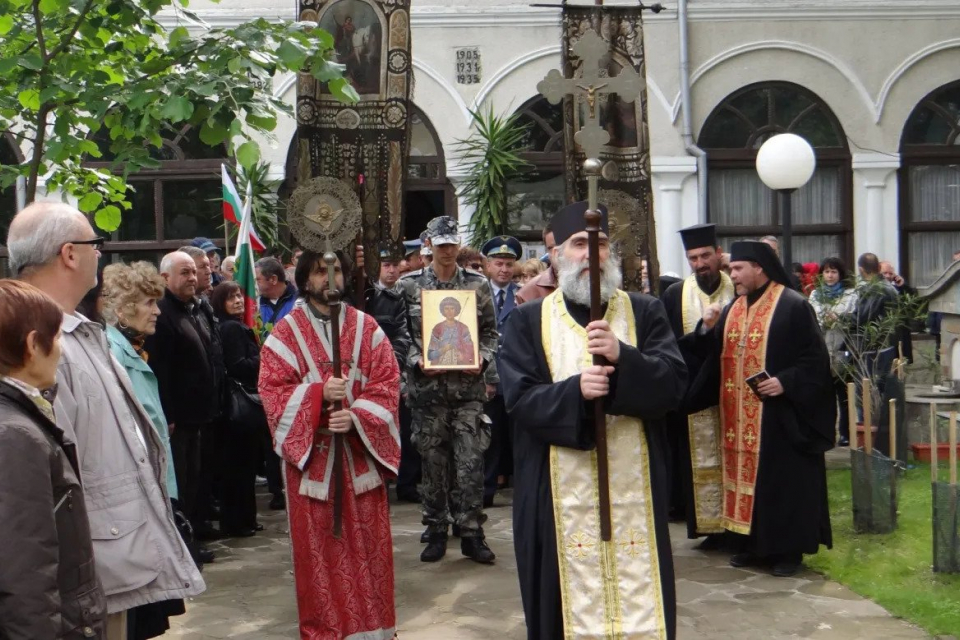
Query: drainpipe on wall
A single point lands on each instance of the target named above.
(685, 110)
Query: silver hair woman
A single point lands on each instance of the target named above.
(130, 295)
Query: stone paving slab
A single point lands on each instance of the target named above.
(250, 594)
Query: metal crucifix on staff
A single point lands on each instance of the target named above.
(591, 138)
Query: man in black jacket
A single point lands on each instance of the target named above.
(187, 357)
(384, 301)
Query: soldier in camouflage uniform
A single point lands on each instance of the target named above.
(449, 428)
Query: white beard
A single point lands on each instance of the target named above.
(576, 285)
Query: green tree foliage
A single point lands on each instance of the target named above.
(70, 69)
(492, 153)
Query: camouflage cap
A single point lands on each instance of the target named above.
(443, 230)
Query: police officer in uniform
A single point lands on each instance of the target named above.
(502, 253)
(449, 428)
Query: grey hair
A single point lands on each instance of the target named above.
(270, 267)
(39, 232)
(168, 261)
(193, 252)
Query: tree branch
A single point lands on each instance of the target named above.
(69, 37)
(35, 161)
(38, 23)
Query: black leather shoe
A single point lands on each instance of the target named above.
(408, 495)
(843, 442)
(711, 543)
(278, 502)
(745, 559)
(425, 536)
(488, 502)
(239, 533)
(207, 533)
(206, 556)
(436, 548)
(477, 550)
(259, 527)
(787, 565)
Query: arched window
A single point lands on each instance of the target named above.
(930, 185)
(9, 155)
(173, 204)
(742, 206)
(429, 192)
(539, 193)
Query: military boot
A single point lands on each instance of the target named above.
(477, 550)
(436, 547)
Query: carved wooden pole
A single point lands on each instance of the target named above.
(333, 294)
(592, 217)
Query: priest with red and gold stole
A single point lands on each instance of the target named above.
(344, 585)
(766, 362)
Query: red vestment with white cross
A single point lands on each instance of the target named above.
(344, 586)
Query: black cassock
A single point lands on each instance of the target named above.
(679, 468)
(648, 382)
(790, 514)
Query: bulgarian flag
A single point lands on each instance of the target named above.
(243, 270)
(233, 210)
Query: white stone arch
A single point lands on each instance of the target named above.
(914, 79)
(716, 63)
(716, 83)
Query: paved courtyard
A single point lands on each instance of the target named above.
(250, 593)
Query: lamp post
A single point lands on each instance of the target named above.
(785, 163)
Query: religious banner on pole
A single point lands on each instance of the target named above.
(625, 176)
(364, 144)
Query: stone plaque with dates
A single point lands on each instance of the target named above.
(468, 65)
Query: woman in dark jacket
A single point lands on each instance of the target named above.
(48, 584)
(241, 355)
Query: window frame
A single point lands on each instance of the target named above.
(183, 169)
(719, 159)
(919, 155)
(549, 160)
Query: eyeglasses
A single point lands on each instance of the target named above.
(96, 243)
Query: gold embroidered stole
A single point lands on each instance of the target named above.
(610, 590)
(704, 427)
(745, 336)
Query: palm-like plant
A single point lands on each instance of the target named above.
(492, 153)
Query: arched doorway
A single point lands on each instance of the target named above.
(538, 193)
(742, 206)
(9, 155)
(930, 186)
(429, 193)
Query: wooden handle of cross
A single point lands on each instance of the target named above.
(333, 296)
(592, 219)
(867, 417)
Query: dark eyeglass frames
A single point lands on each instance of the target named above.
(96, 243)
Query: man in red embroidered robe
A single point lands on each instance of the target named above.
(344, 585)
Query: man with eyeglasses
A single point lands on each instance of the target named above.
(140, 557)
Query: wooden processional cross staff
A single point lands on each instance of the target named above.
(333, 295)
(592, 52)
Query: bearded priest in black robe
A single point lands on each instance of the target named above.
(573, 583)
(694, 437)
(767, 366)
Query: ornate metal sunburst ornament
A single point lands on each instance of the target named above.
(324, 213)
(621, 209)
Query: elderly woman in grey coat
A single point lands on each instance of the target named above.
(48, 584)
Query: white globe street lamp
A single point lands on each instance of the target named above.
(785, 163)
